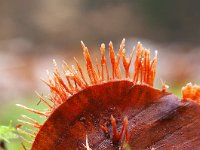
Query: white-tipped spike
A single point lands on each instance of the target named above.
(83, 45)
(54, 62)
(122, 43)
(87, 144)
(28, 123)
(110, 43)
(31, 110)
(156, 53)
(164, 86)
(31, 119)
(103, 46)
(29, 134)
(45, 101)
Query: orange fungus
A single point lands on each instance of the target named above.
(109, 107)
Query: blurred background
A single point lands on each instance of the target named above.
(32, 33)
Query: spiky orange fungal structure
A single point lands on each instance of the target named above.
(115, 109)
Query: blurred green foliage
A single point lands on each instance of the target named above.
(8, 132)
(11, 112)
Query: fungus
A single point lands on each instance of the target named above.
(115, 108)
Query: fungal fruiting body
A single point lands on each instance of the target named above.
(115, 108)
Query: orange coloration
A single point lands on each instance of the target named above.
(191, 92)
(117, 136)
(114, 108)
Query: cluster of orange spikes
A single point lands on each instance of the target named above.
(75, 79)
(117, 137)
